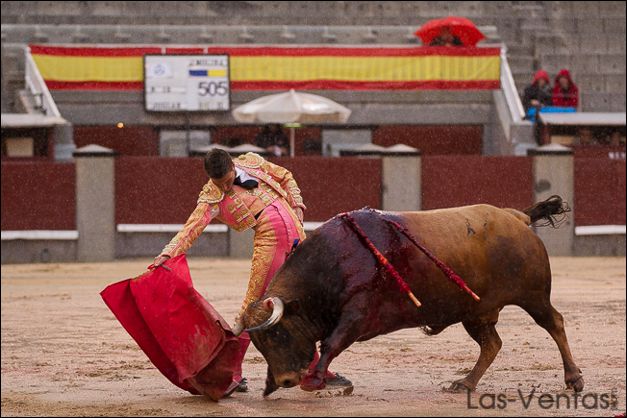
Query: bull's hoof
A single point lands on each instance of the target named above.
(269, 391)
(271, 387)
(331, 392)
(337, 380)
(576, 383)
(348, 391)
(312, 383)
(460, 386)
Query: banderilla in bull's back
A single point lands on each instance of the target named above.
(450, 274)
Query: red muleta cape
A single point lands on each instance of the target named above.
(180, 332)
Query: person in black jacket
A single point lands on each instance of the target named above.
(273, 139)
(538, 93)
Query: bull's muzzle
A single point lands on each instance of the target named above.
(288, 380)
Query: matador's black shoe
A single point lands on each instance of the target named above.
(243, 386)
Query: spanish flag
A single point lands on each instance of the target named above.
(281, 68)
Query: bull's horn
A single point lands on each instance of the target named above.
(277, 314)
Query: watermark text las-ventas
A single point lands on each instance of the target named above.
(572, 401)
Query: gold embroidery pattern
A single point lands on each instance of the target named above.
(279, 178)
(249, 160)
(240, 213)
(286, 182)
(265, 244)
(194, 226)
(210, 194)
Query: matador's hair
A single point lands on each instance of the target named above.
(218, 163)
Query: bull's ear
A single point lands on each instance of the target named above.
(292, 307)
(268, 304)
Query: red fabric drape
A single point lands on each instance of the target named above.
(180, 332)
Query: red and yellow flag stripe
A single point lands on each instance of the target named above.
(279, 68)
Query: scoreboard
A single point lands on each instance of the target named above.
(179, 83)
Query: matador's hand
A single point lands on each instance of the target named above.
(159, 260)
(238, 326)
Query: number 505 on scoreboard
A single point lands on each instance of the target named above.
(179, 83)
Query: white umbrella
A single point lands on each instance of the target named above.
(291, 107)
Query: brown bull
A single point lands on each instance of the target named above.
(332, 290)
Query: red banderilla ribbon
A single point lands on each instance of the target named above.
(452, 276)
(381, 258)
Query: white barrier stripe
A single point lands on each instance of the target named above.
(217, 228)
(600, 230)
(39, 235)
(211, 228)
(310, 226)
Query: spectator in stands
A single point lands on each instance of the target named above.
(446, 38)
(538, 93)
(616, 139)
(273, 139)
(565, 92)
(586, 136)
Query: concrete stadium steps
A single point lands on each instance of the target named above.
(12, 75)
(586, 37)
(205, 34)
(584, 63)
(252, 12)
(601, 83)
(602, 102)
(586, 9)
(297, 12)
(580, 43)
(522, 63)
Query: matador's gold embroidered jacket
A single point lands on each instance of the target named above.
(229, 208)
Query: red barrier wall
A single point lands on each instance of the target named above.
(164, 190)
(432, 139)
(130, 140)
(152, 190)
(599, 191)
(466, 180)
(600, 151)
(333, 185)
(38, 195)
(41, 195)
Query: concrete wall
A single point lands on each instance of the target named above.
(553, 175)
(368, 108)
(39, 251)
(402, 182)
(599, 245)
(335, 140)
(95, 204)
(241, 243)
(150, 244)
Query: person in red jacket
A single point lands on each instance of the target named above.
(565, 92)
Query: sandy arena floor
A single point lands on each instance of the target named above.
(64, 354)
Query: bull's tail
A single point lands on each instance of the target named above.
(553, 210)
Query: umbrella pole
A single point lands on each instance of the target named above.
(292, 141)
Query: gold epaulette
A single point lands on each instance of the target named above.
(249, 160)
(210, 194)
